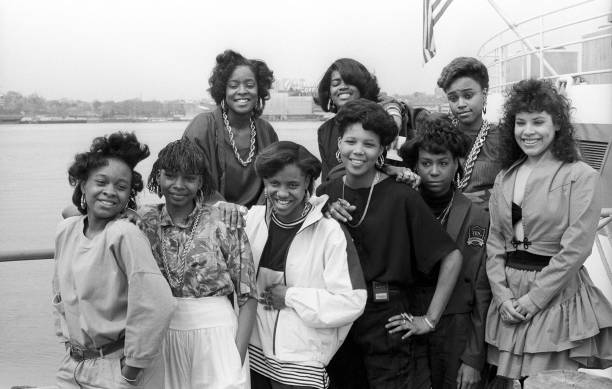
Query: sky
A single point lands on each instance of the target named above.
(164, 50)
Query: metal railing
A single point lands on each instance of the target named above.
(495, 52)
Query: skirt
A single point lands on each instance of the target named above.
(573, 331)
(199, 350)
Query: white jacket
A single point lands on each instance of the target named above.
(326, 289)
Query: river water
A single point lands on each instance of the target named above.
(34, 159)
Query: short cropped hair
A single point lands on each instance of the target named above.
(227, 62)
(537, 96)
(372, 118)
(464, 67)
(276, 156)
(183, 157)
(436, 136)
(353, 73)
(122, 146)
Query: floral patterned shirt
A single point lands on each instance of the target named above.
(219, 260)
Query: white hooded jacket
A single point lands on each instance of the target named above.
(326, 289)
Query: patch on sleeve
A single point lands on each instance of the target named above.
(476, 236)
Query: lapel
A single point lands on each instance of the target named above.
(460, 208)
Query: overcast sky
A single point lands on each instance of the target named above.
(161, 49)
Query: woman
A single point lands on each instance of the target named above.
(465, 81)
(347, 80)
(233, 134)
(308, 270)
(394, 232)
(546, 314)
(453, 355)
(112, 305)
(206, 265)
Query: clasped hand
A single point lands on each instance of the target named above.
(274, 297)
(515, 311)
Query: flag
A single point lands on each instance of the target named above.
(431, 15)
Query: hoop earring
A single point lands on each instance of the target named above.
(484, 106)
(380, 161)
(259, 105)
(83, 202)
(338, 156)
(457, 180)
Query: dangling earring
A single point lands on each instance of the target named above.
(83, 202)
(484, 103)
(259, 105)
(457, 181)
(223, 105)
(200, 197)
(454, 121)
(306, 196)
(338, 157)
(331, 107)
(380, 161)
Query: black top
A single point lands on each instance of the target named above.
(399, 234)
(274, 254)
(517, 213)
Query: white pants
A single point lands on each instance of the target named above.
(199, 350)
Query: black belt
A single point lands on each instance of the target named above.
(80, 353)
(523, 260)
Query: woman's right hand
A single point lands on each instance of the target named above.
(340, 210)
(509, 314)
(232, 214)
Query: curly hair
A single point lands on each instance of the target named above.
(436, 136)
(276, 156)
(183, 157)
(118, 145)
(464, 67)
(372, 118)
(226, 63)
(537, 96)
(353, 73)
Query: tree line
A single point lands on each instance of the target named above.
(32, 105)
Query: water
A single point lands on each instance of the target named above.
(33, 190)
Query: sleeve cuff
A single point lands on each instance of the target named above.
(473, 361)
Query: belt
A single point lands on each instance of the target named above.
(80, 353)
(523, 260)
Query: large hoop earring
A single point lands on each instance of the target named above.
(338, 156)
(83, 202)
(484, 106)
(380, 161)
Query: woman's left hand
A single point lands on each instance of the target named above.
(274, 297)
(526, 307)
(415, 325)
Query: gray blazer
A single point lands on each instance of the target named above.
(561, 209)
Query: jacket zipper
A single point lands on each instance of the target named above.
(285, 282)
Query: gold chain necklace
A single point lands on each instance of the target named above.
(365, 211)
(471, 159)
(233, 142)
(176, 281)
(446, 211)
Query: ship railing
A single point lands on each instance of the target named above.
(495, 52)
(604, 229)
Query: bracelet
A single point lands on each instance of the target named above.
(129, 380)
(429, 323)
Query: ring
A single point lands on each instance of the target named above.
(403, 321)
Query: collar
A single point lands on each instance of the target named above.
(166, 220)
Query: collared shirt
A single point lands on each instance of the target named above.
(109, 287)
(219, 261)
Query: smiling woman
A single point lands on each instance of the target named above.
(232, 135)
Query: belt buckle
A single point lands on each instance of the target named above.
(77, 353)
